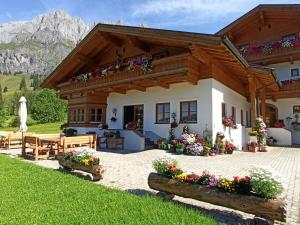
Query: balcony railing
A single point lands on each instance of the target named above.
(271, 49)
(291, 85)
(166, 66)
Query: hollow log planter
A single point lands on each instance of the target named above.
(271, 209)
(95, 170)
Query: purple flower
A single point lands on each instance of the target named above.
(214, 181)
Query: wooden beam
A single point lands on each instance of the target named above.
(263, 104)
(84, 59)
(139, 44)
(252, 91)
(112, 39)
(137, 87)
(262, 19)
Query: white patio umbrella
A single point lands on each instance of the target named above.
(23, 114)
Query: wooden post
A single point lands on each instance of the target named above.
(252, 91)
(263, 104)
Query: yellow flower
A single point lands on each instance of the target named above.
(181, 177)
(85, 162)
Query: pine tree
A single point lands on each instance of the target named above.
(22, 84)
(5, 89)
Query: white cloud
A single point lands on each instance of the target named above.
(195, 11)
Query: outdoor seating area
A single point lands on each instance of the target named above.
(53, 146)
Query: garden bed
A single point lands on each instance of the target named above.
(273, 209)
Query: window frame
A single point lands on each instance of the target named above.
(295, 69)
(96, 115)
(242, 117)
(189, 112)
(233, 113)
(163, 113)
(224, 110)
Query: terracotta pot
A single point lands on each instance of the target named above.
(222, 151)
(252, 149)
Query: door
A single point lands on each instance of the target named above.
(271, 115)
(134, 115)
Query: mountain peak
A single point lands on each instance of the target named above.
(36, 46)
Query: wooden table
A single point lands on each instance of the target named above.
(53, 143)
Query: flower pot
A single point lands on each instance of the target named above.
(229, 152)
(252, 149)
(222, 151)
(179, 150)
(253, 138)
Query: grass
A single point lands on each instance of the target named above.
(47, 128)
(12, 83)
(34, 195)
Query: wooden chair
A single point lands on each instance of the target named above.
(38, 152)
(77, 141)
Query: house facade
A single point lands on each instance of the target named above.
(269, 35)
(140, 80)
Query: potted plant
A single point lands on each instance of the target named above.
(261, 130)
(205, 151)
(221, 148)
(252, 146)
(180, 148)
(229, 148)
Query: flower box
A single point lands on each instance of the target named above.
(272, 209)
(83, 160)
(95, 170)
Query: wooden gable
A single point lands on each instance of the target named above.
(261, 32)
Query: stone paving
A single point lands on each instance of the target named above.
(129, 171)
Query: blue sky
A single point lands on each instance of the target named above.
(205, 16)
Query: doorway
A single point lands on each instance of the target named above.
(271, 115)
(134, 117)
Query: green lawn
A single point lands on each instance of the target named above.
(47, 128)
(30, 194)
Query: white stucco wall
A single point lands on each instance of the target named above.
(285, 107)
(175, 94)
(282, 136)
(283, 70)
(221, 93)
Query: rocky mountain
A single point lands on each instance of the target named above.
(37, 46)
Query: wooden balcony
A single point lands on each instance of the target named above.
(276, 55)
(164, 71)
(295, 86)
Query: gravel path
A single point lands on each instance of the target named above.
(129, 171)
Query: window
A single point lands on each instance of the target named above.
(233, 113)
(295, 72)
(96, 115)
(80, 115)
(242, 117)
(223, 110)
(163, 113)
(247, 119)
(188, 112)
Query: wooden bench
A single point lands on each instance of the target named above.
(78, 141)
(13, 139)
(38, 151)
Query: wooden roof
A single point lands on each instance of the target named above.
(208, 49)
(286, 12)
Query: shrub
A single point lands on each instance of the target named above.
(47, 107)
(265, 184)
(167, 167)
